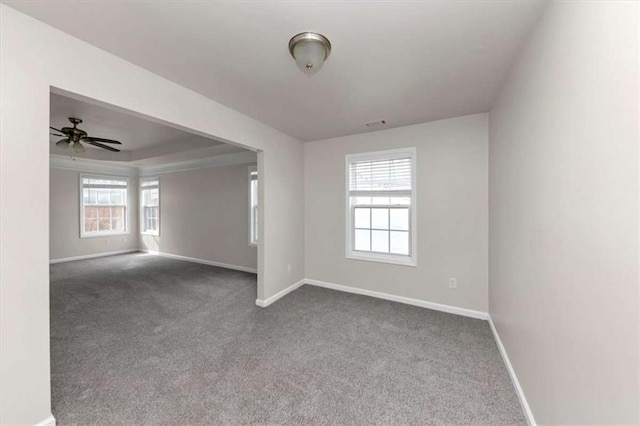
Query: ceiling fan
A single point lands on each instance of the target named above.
(74, 136)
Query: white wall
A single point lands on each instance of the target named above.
(204, 214)
(35, 59)
(64, 222)
(564, 215)
(452, 217)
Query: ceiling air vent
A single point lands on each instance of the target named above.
(378, 124)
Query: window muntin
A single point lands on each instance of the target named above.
(103, 207)
(381, 201)
(150, 206)
(253, 206)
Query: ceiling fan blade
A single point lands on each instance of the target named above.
(98, 144)
(63, 143)
(77, 147)
(57, 134)
(92, 139)
(57, 130)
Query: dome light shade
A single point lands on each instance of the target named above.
(310, 51)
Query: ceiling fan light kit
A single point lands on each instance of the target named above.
(310, 51)
(74, 137)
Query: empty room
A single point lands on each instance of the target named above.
(318, 212)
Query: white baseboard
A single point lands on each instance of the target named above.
(92, 256)
(202, 261)
(409, 301)
(49, 421)
(512, 373)
(266, 302)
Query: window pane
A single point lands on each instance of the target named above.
(103, 196)
(380, 218)
(362, 200)
(90, 212)
(362, 219)
(380, 241)
(384, 201)
(400, 242)
(93, 196)
(117, 212)
(90, 225)
(117, 225)
(104, 224)
(363, 240)
(85, 195)
(400, 201)
(399, 219)
(117, 196)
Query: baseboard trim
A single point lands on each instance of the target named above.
(512, 374)
(202, 261)
(279, 295)
(401, 299)
(92, 256)
(49, 421)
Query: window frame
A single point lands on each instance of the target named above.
(253, 218)
(397, 259)
(126, 216)
(142, 206)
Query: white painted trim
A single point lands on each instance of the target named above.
(401, 299)
(91, 166)
(201, 163)
(202, 261)
(280, 294)
(49, 421)
(512, 373)
(92, 256)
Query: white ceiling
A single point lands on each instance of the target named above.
(405, 62)
(143, 141)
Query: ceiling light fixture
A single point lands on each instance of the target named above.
(310, 50)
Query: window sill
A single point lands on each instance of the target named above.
(107, 234)
(253, 244)
(394, 260)
(153, 234)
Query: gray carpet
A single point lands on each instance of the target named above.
(139, 339)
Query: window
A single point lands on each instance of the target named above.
(381, 206)
(150, 206)
(253, 206)
(103, 205)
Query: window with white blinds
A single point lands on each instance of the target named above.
(381, 206)
(103, 205)
(253, 206)
(150, 206)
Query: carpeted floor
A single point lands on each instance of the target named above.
(140, 339)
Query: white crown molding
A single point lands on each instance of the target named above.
(85, 165)
(201, 163)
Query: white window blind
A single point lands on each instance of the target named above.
(381, 206)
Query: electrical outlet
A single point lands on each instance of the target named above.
(453, 283)
(289, 268)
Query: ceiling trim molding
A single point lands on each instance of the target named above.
(200, 163)
(83, 165)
